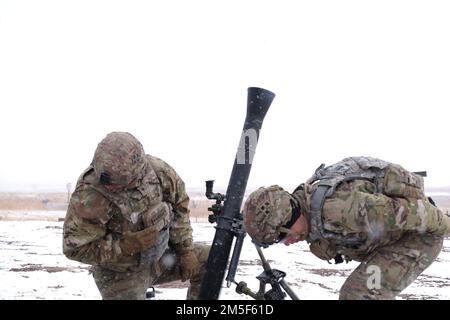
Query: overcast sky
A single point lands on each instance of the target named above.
(351, 78)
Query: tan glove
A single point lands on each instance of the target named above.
(134, 242)
(323, 249)
(189, 265)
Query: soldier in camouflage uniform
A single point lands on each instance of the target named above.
(361, 209)
(128, 217)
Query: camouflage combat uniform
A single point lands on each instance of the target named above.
(363, 209)
(397, 235)
(97, 219)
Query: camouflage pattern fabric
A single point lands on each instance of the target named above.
(375, 219)
(390, 269)
(266, 210)
(133, 285)
(97, 218)
(398, 236)
(121, 157)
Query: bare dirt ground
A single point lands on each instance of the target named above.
(33, 201)
(26, 202)
(15, 204)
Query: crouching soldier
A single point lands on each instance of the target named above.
(128, 217)
(361, 209)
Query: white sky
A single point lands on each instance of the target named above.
(351, 78)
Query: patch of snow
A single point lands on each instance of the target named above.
(32, 266)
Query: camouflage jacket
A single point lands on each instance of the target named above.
(357, 218)
(96, 219)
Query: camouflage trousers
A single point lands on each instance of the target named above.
(392, 268)
(133, 285)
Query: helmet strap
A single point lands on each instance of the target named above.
(296, 212)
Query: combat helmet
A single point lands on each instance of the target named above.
(266, 213)
(119, 159)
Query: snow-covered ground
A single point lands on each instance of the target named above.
(32, 266)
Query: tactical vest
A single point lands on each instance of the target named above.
(389, 179)
(139, 208)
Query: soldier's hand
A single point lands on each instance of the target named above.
(189, 265)
(134, 242)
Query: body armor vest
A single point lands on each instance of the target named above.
(389, 179)
(136, 209)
